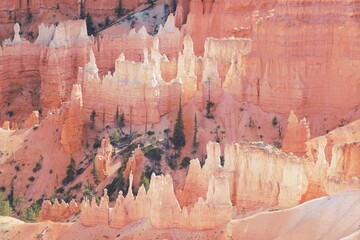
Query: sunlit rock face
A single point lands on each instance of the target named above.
(71, 134)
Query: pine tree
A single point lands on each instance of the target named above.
(195, 143)
(95, 173)
(82, 10)
(70, 172)
(92, 119)
(179, 136)
(89, 24)
(119, 119)
(118, 10)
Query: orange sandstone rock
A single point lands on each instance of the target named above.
(32, 120)
(135, 164)
(71, 134)
(296, 135)
(57, 212)
(103, 158)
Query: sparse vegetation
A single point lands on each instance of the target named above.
(144, 181)
(37, 167)
(150, 133)
(119, 120)
(115, 137)
(251, 123)
(274, 121)
(92, 119)
(107, 21)
(185, 162)
(90, 25)
(119, 9)
(89, 191)
(32, 212)
(82, 10)
(10, 113)
(31, 179)
(97, 142)
(5, 209)
(70, 172)
(29, 16)
(195, 143)
(209, 105)
(95, 173)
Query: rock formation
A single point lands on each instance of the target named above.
(57, 212)
(103, 158)
(161, 207)
(259, 177)
(135, 164)
(32, 120)
(296, 136)
(71, 134)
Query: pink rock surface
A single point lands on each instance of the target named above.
(296, 136)
(32, 120)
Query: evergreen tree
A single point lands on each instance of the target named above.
(195, 143)
(70, 172)
(95, 173)
(179, 136)
(89, 25)
(82, 10)
(11, 195)
(118, 10)
(92, 119)
(119, 119)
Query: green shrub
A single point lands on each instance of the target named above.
(80, 171)
(154, 154)
(5, 208)
(274, 121)
(37, 167)
(97, 142)
(185, 162)
(10, 113)
(150, 133)
(115, 137)
(32, 212)
(31, 179)
(144, 181)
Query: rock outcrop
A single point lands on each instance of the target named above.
(57, 212)
(161, 207)
(135, 164)
(259, 177)
(296, 136)
(103, 158)
(32, 120)
(71, 134)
